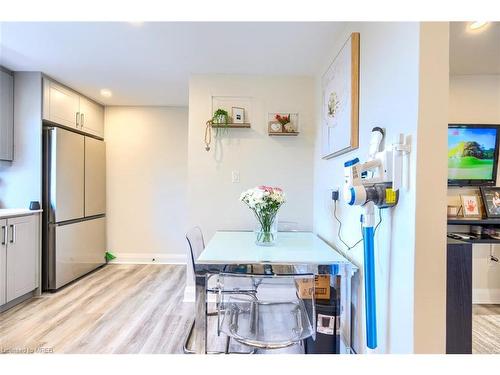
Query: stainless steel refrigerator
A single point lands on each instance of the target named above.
(74, 203)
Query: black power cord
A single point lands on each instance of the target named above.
(361, 227)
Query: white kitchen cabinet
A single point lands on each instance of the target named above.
(3, 261)
(22, 256)
(6, 116)
(60, 105)
(66, 107)
(91, 117)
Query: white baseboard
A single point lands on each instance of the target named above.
(486, 296)
(189, 293)
(148, 258)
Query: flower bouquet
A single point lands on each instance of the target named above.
(264, 201)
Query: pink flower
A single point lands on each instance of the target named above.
(266, 188)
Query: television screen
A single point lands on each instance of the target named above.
(472, 154)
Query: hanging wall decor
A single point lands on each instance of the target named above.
(340, 109)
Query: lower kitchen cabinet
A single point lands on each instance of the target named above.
(19, 257)
(3, 261)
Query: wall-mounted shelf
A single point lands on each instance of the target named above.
(473, 221)
(482, 239)
(283, 134)
(231, 126)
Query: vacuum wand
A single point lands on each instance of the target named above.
(369, 275)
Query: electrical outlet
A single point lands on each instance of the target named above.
(235, 177)
(335, 195)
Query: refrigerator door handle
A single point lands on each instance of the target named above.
(4, 234)
(13, 233)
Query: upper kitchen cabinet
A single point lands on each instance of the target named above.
(66, 107)
(60, 105)
(91, 117)
(6, 115)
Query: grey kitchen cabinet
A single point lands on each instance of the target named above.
(66, 107)
(60, 105)
(20, 256)
(6, 115)
(3, 261)
(91, 117)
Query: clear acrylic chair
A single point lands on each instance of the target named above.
(279, 315)
(288, 226)
(196, 244)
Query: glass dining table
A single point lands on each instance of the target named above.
(297, 252)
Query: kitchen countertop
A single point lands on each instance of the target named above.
(10, 212)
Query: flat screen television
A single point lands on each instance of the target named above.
(472, 154)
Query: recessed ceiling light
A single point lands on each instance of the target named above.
(477, 25)
(136, 23)
(106, 93)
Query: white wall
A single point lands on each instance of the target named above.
(260, 159)
(389, 97)
(21, 179)
(476, 99)
(146, 156)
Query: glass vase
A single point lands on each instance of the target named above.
(266, 235)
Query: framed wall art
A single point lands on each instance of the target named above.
(340, 106)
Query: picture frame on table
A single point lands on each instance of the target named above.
(471, 206)
(491, 200)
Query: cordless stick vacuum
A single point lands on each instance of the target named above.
(380, 189)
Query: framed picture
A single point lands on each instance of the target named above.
(238, 115)
(470, 206)
(491, 200)
(340, 108)
(275, 127)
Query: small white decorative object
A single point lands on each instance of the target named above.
(275, 127)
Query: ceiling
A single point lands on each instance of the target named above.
(150, 63)
(474, 52)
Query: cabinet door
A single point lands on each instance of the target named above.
(6, 116)
(22, 256)
(3, 261)
(92, 117)
(60, 105)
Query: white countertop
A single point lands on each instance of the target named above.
(10, 212)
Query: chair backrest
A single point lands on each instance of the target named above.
(288, 226)
(196, 244)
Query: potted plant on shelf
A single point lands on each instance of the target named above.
(220, 117)
(285, 123)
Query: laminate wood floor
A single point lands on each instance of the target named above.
(486, 329)
(116, 309)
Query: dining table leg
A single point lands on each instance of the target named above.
(200, 325)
